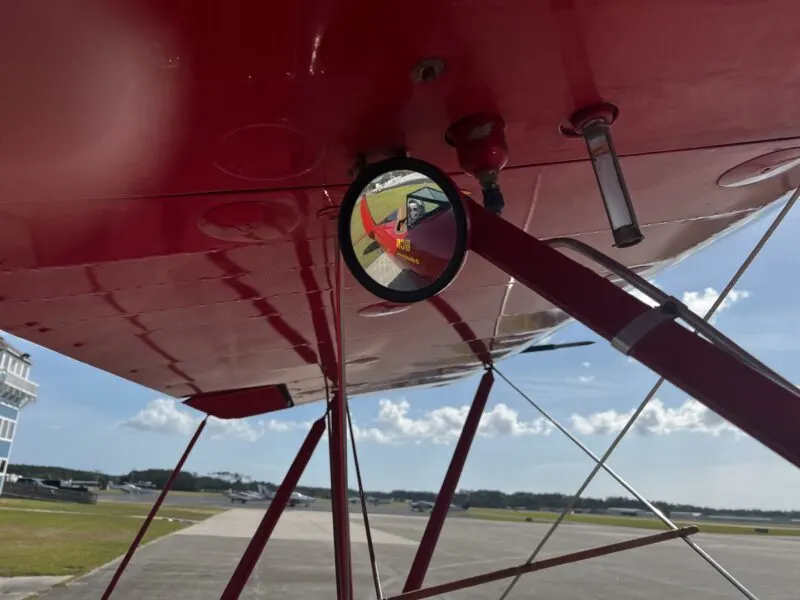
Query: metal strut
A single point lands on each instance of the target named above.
(680, 356)
(601, 462)
(151, 515)
(652, 507)
(430, 537)
(276, 506)
(547, 563)
(337, 445)
(670, 308)
(373, 561)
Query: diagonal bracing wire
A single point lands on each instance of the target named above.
(373, 561)
(601, 461)
(703, 554)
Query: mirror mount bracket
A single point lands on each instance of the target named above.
(364, 158)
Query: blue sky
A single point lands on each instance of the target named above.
(89, 419)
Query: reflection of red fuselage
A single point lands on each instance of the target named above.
(425, 249)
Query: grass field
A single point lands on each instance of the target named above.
(380, 205)
(191, 513)
(54, 538)
(154, 493)
(636, 522)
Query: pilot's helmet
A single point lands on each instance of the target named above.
(415, 210)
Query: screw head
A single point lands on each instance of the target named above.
(427, 70)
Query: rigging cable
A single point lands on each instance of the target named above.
(654, 509)
(370, 547)
(601, 462)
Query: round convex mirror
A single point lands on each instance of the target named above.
(403, 230)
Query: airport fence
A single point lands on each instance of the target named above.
(35, 492)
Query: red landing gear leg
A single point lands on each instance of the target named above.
(339, 502)
(156, 505)
(706, 372)
(337, 444)
(260, 538)
(427, 545)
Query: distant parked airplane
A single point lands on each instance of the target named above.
(298, 499)
(423, 505)
(129, 488)
(263, 493)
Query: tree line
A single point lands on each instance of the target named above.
(223, 480)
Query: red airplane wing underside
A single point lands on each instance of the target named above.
(163, 166)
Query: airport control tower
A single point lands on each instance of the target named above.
(16, 390)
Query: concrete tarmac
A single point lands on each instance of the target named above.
(297, 564)
(222, 501)
(20, 588)
(198, 499)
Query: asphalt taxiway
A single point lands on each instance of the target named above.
(297, 564)
(187, 499)
(222, 501)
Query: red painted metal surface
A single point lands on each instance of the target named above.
(471, 341)
(167, 313)
(430, 537)
(683, 358)
(337, 438)
(240, 404)
(160, 168)
(166, 167)
(153, 511)
(339, 500)
(556, 561)
(276, 507)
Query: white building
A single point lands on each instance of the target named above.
(16, 391)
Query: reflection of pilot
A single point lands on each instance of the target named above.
(415, 211)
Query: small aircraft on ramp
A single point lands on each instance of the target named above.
(129, 488)
(298, 499)
(423, 505)
(264, 493)
(245, 496)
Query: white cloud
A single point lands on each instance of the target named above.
(394, 425)
(701, 302)
(586, 365)
(443, 425)
(164, 415)
(586, 378)
(371, 434)
(277, 426)
(657, 419)
(502, 420)
(235, 428)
